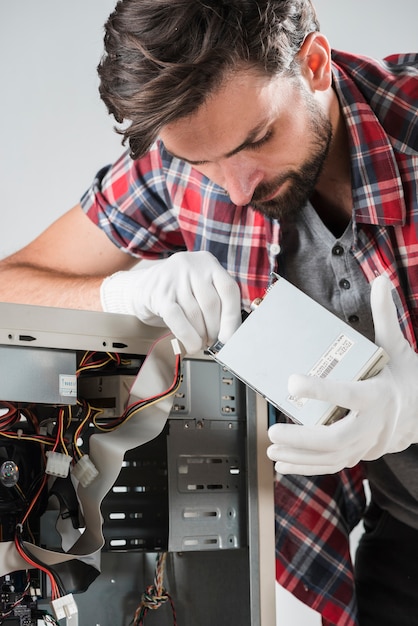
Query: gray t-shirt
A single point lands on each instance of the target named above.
(323, 266)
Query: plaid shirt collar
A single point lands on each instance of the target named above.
(378, 196)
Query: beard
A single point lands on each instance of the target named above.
(300, 184)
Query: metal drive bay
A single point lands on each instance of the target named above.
(289, 333)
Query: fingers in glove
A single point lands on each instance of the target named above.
(353, 395)
(190, 329)
(314, 439)
(203, 313)
(230, 299)
(385, 317)
(215, 300)
(315, 450)
(207, 296)
(315, 469)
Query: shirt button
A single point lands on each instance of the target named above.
(275, 249)
(338, 250)
(353, 319)
(344, 284)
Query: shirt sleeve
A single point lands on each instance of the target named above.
(130, 201)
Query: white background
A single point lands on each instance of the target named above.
(55, 132)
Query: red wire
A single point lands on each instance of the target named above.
(171, 387)
(54, 588)
(32, 504)
(145, 401)
(9, 418)
(60, 422)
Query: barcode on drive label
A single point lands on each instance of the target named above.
(327, 362)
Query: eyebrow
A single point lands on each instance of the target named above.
(250, 138)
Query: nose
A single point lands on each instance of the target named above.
(240, 179)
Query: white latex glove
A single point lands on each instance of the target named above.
(189, 292)
(383, 413)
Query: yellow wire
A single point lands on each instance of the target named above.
(134, 411)
(27, 438)
(61, 418)
(90, 410)
(96, 365)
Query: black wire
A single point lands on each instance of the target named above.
(34, 559)
(141, 404)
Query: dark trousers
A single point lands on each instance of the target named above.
(386, 571)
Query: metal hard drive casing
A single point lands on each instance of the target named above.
(290, 333)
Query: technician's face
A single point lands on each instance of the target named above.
(263, 140)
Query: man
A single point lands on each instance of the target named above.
(254, 148)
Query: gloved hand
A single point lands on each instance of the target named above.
(383, 413)
(189, 292)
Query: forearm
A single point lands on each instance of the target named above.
(27, 284)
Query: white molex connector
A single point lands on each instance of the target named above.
(176, 346)
(64, 607)
(57, 464)
(84, 471)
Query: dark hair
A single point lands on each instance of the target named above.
(164, 57)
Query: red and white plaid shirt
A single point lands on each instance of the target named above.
(158, 205)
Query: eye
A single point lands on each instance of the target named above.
(260, 142)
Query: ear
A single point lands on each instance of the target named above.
(315, 61)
